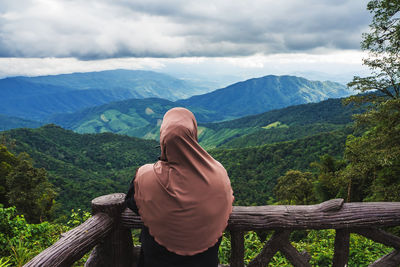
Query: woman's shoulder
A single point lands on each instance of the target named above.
(145, 169)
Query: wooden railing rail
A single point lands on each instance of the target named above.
(109, 229)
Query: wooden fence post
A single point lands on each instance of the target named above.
(237, 249)
(117, 248)
(341, 256)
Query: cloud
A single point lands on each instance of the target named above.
(101, 29)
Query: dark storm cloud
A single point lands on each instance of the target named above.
(88, 29)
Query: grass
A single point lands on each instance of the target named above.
(276, 124)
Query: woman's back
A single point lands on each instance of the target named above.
(185, 198)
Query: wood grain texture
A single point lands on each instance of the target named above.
(270, 248)
(327, 215)
(109, 229)
(379, 236)
(342, 243)
(117, 248)
(237, 249)
(112, 204)
(390, 260)
(293, 255)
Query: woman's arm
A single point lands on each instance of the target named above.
(130, 197)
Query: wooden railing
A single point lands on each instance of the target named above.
(108, 232)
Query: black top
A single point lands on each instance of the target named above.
(153, 254)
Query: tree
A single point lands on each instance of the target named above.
(25, 187)
(330, 183)
(7, 163)
(383, 46)
(295, 187)
(374, 157)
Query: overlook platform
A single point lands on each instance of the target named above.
(108, 232)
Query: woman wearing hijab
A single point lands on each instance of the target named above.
(184, 199)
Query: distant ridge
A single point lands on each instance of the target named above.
(8, 122)
(144, 83)
(37, 98)
(279, 125)
(263, 94)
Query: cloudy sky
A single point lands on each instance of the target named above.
(214, 38)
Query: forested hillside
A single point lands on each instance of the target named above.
(254, 170)
(279, 125)
(82, 167)
(85, 166)
(133, 117)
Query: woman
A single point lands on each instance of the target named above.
(184, 199)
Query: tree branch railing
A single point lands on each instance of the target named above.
(108, 232)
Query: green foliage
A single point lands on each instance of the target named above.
(25, 187)
(7, 163)
(83, 167)
(5, 262)
(274, 135)
(330, 182)
(374, 157)
(330, 111)
(29, 190)
(77, 217)
(253, 171)
(20, 241)
(295, 188)
(383, 45)
(301, 121)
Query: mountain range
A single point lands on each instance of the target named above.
(37, 98)
(141, 116)
(263, 94)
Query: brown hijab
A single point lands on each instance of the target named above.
(185, 198)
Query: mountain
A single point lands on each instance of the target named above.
(279, 125)
(8, 122)
(83, 167)
(263, 94)
(142, 118)
(140, 82)
(37, 98)
(133, 117)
